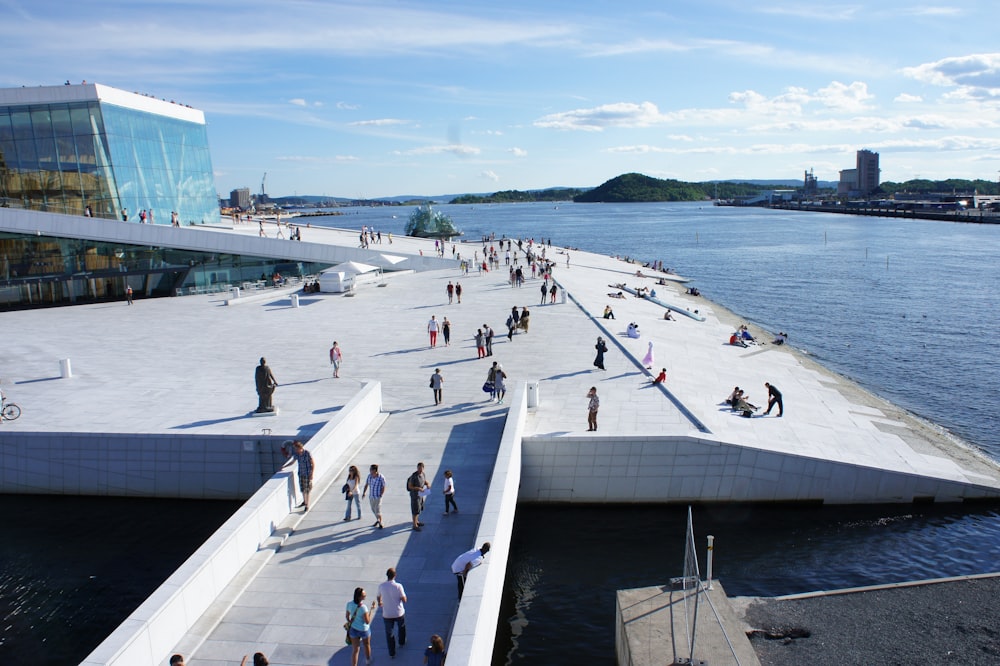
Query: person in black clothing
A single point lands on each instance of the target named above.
(773, 398)
(601, 348)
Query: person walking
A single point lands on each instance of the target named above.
(552, 291)
(449, 492)
(336, 356)
(451, 292)
(602, 349)
(647, 360)
(773, 398)
(488, 335)
(306, 468)
(391, 597)
(480, 343)
(436, 381)
(128, 294)
(434, 654)
(499, 386)
(376, 483)
(458, 292)
(466, 562)
(359, 618)
(491, 379)
(446, 331)
(545, 292)
(432, 329)
(353, 492)
(592, 406)
(416, 485)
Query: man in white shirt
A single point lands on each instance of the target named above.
(391, 597)
(466, 562)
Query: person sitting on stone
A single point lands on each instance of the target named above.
(734, 397)
(667, 316)
(735, 340)
(633, 330)
(662, 377)
(608, 312)
(744, 407)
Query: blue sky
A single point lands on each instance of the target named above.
(370, 99)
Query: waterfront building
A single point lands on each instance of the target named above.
(81, 168)
(240, 198)
(868, 174)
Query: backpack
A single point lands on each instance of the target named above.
(408, 479)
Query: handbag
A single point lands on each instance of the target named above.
(488, 387)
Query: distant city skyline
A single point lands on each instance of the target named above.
(379, 99)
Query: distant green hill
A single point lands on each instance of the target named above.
(635, 187)
(517, 196)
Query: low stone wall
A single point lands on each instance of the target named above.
(475, 628)
(679, 469)
(172, 610)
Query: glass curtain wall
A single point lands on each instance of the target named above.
(62, 158)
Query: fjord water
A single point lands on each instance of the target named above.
(907, 308)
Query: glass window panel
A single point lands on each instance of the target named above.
(27, 158)
(81, 120)
(61, 124)
(41, 123)
(20, 121)
(6, 131)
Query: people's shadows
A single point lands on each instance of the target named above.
(209, 422)
(470, 359)
(402, 351)
(324, 542)
(565, 375)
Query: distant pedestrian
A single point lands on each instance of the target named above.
(647, 360)
(511, 324)
(434, 655)
(451, 292)
(545, 292)
(449, 492)
(552, 291)
(306, 468)
(499, 385)
(124, 214)
(436, 381)
(567, 260)
(593, 404)
(491, 378)
(446, 331)
(773, 398)
(480, 343)
(359, 618)
(488, 338)
(392, 597)
(336, 356)
(602, 349)
(458, 292)
(466, 562)
(416, 485)
(353, 492)
(525, 318)
(432, 329)
(128, 294)
(376, 483)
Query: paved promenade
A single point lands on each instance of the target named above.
(186, 365)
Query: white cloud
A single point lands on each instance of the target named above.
(455, 149)
(379, 122)
(298, 101)
(518, 152)
(490, 175)
(845, 97)
(907, 98)
(344, 106)
(621, 114)
(975, 76)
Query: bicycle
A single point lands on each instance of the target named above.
(9, 411)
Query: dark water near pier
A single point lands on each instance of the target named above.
(907, 308)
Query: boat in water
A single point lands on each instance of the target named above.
(427, 223)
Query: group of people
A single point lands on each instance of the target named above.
(742, 337)
(739, 401)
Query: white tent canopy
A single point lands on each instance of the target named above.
(353, 268)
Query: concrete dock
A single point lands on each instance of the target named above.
(183, 368)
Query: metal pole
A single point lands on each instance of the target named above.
(708, 561)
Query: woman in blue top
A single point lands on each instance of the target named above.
(360, 618)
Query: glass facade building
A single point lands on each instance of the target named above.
(79, 150)
(116, 152)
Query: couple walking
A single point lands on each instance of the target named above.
(495, 382)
